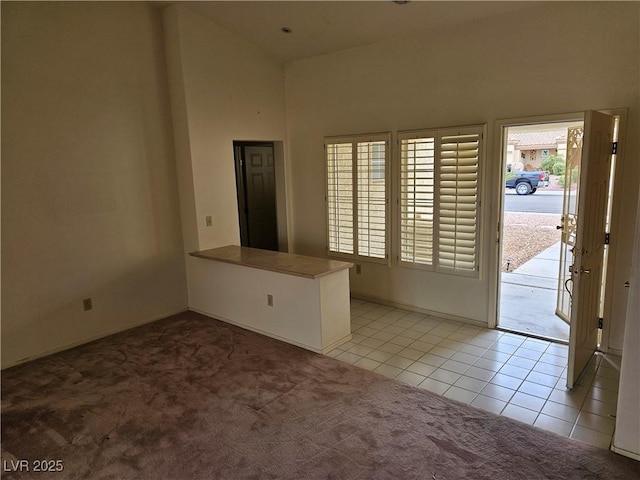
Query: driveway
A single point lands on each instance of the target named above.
(539, 202)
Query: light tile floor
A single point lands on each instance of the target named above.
(515, 376)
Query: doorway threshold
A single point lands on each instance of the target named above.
(532, 335)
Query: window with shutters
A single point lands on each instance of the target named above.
(439, 199)
(357, 193)
(417, 197)
(340, 197)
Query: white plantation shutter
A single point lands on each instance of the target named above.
(372, 199)
(357, 193)
(439, 199)
(417, 194)
(340, 197)
(458, 200)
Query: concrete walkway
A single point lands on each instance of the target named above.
(528, 297)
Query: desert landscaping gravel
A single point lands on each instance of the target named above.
(525, 235)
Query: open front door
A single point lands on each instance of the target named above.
(588, 253)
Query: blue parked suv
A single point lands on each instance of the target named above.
(526, 183)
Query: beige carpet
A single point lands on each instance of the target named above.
(192, 398)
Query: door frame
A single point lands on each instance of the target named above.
(622, 114)
(282, 188)
(496, 201)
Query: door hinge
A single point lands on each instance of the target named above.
(607, 238)
(600, 322)
(614, 148)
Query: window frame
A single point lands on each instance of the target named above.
(354, 140)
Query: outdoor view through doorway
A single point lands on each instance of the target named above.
(535, 180)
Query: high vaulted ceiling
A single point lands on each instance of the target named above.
(319, 27)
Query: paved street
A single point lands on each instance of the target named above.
(539, 202)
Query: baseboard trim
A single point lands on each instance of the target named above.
(90, 339)
(336, 344)
(612, 351)
(265, 333)
(626, 453)
(411, 308)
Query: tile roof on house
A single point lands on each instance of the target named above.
(531, 140)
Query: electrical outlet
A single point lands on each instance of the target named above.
(270, 300)
(87, 304)
(358, 269)
(208, 220)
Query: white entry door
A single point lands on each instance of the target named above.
(588, 252)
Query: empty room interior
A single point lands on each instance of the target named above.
(263, 240)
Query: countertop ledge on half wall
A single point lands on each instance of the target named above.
(288, 263)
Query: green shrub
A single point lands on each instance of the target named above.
(554, 164)
(558, 169)
(575, 175)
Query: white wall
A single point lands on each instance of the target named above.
(627, 435)
(222, 89)
(312, 313)
(89, 196)
(552, 58)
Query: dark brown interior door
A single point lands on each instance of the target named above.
(257, 196)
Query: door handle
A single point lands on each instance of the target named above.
(627, 284)
(559, 227)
